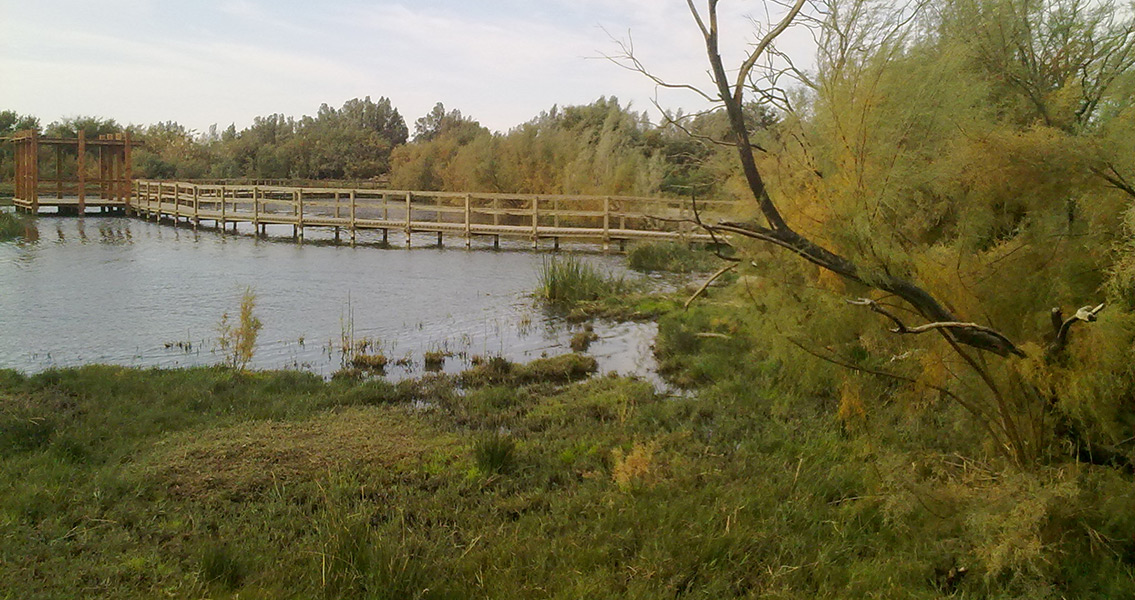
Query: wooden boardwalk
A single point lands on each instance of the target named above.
(596, 219)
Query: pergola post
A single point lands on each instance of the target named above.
(82, 168)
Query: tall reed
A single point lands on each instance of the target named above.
(568, 280)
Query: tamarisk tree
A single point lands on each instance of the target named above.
(937, 152)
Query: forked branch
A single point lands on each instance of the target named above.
(951, 326)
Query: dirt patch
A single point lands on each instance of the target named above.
(247, 459)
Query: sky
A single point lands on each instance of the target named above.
(204, 62)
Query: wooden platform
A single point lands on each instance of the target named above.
(598, 219)
(70, 205)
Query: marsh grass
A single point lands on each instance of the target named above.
(217, 483)
(495, 453)
(567, 280)
(221, 566)
(672, 257)
(237, 338)
(582, 339)
(370, 363)
(12, 226)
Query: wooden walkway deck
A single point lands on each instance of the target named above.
(597, 219)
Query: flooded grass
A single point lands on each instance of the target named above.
(567, 280)
(672, 257)
(12, 226)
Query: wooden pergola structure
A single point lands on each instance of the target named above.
(112, 183)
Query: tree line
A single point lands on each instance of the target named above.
(604, 147)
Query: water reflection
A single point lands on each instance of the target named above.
(126, 291)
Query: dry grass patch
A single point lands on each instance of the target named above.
(246, 459)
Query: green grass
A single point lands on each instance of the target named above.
(672, 257)
(523, 481)
(567, 280)
(12, 226)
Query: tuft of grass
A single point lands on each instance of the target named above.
(495, 453)
(221, 566)
(565, 281)
(434, 360)
(557, 369)
(671, 257)
(12, 226)
(372, 363)
(238, 340)
(582, 339)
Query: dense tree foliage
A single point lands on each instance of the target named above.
(961, 170)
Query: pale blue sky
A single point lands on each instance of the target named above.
(201, 62)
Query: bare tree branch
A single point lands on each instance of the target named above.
(1063, 328)
(951, 326)
(708, 282)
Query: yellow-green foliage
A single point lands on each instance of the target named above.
(238, 339)
(927, 149)
(369, 362)
(634, 468)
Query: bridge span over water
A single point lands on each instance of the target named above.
(602, 220)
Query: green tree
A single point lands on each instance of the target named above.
(948, 170)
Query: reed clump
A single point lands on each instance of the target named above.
(582, 339)
(672, 257)
(373, 363)
(568, 280)
(12, 226)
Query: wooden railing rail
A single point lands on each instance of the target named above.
(534, 216)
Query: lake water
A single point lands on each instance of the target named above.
(129, 292)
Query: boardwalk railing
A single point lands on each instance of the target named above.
(601, 219)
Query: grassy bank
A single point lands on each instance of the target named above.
(511, 481)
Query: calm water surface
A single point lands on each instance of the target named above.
(129, 292)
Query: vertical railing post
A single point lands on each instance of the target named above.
(409, 212)
(606, 223)
(535, 221)
(353, 227)
(59, 172)
(127, 167)
(336, 216)
(468, 220)
(82, 167)
(224, 212)
(255, 210)
(299, 205)
(35, 172)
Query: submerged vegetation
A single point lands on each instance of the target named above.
(12, 226)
